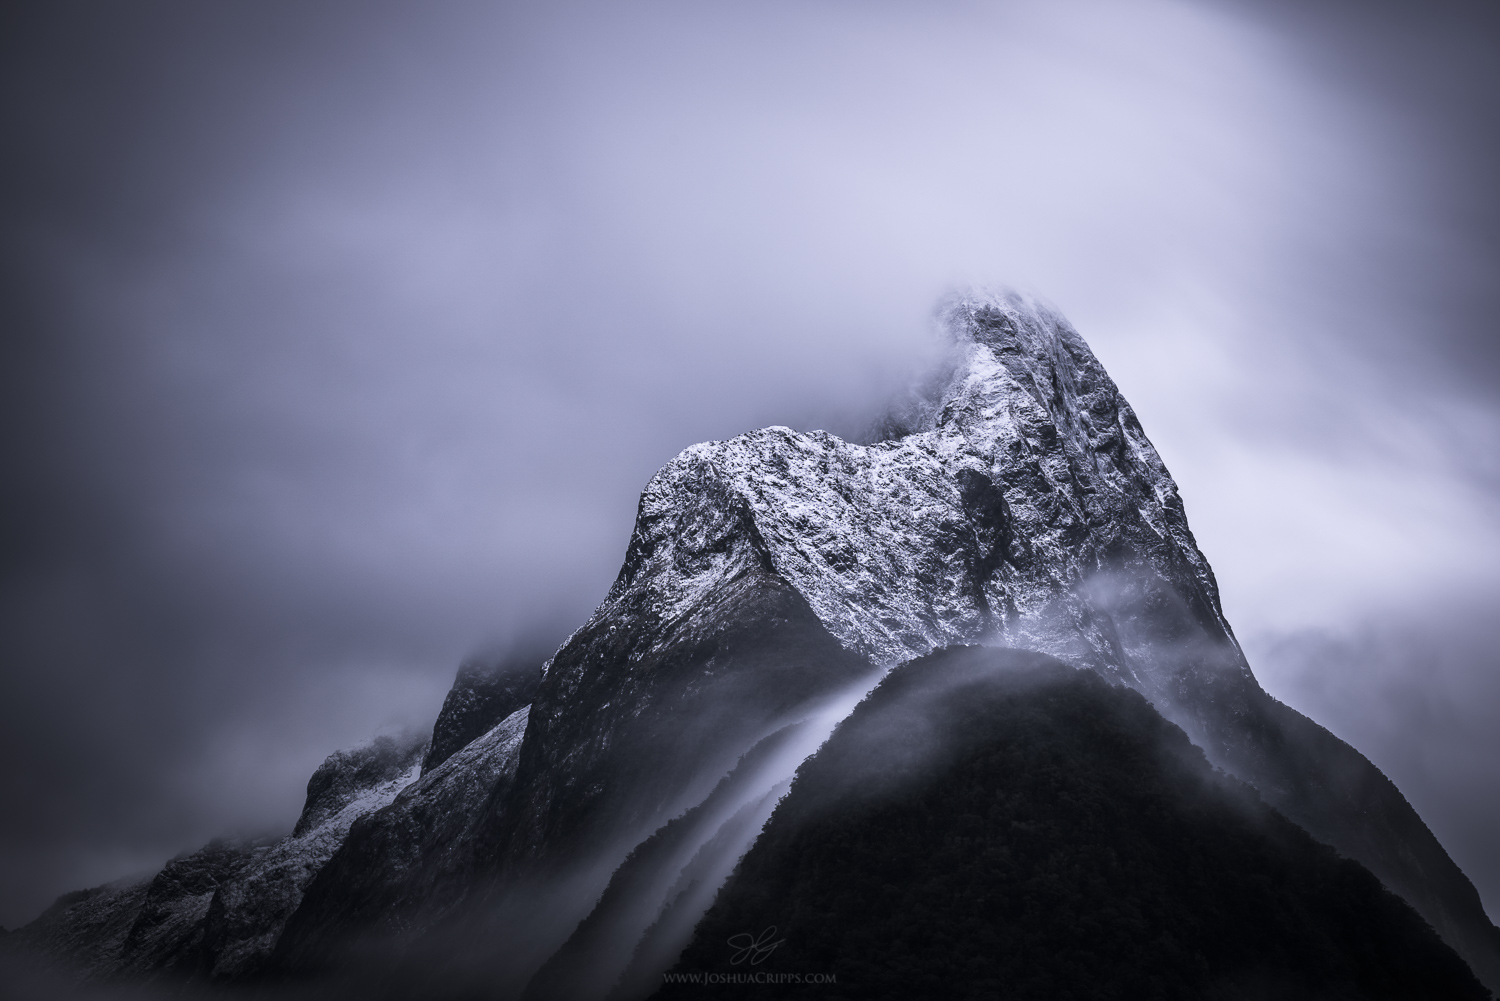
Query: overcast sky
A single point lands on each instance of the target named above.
(339, 339)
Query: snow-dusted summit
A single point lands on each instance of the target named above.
(771, 578)
(1034, 478)
(770, 582)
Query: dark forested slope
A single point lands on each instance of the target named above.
(992, 823)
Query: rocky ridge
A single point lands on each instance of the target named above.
(1039, 833)
(411, 860)
(483, 693)
(770, 582)
(216, 913)
(1032, 513)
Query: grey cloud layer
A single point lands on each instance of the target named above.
(345, 335)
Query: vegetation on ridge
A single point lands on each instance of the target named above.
(993, 824)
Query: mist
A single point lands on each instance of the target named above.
(342, 338)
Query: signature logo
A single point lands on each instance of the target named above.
(753, 948)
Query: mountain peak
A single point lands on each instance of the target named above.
(771, 581)
(1019, 474)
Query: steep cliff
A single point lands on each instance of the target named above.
(991, 823)
(484, 692)
(1022, 506)
(408, 862)
(216, 914)
(770, 582)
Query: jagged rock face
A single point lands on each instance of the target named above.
(346, 776)
(217, 913)
(408, 861)
(413, 861)
(1033, 485)
(742, 661)
(170, 933)
(1033, 513)
(483, 694)
(1032, 507)
(747, 660)
(771, 579)
(1036, 477)
(83, 932)
(699, 688)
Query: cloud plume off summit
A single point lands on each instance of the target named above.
(343, 338)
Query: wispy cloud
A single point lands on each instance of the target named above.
(346, 334)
